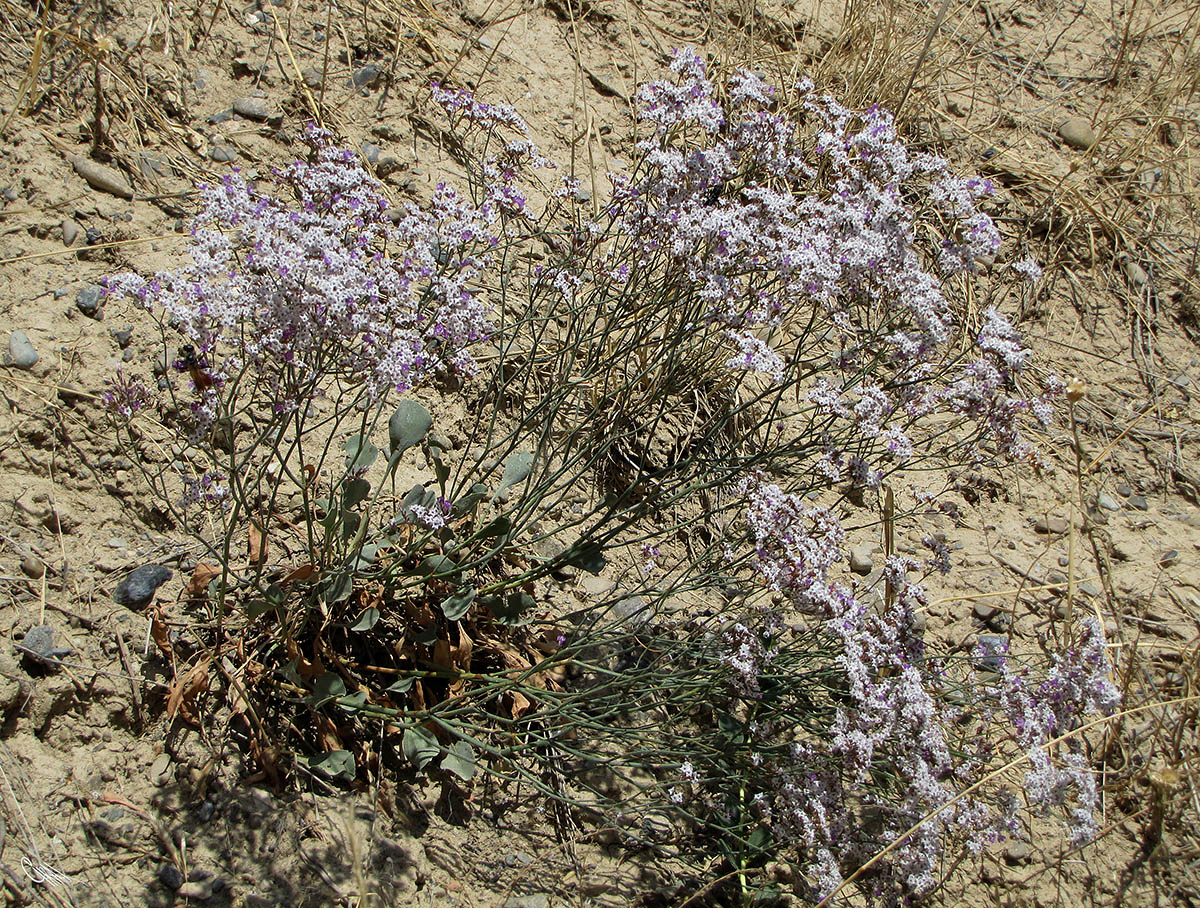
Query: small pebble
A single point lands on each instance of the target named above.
(38, 646)
(90, 300)
(983, 611)
(1017, 853)
(122, 336)
(1124, 490)
(252, 109)
(100, 177)
(33, 568)
(1139, 503)
(1107, 502)
(138, 589)
(169, 876)
(1077, 133)
(221, 116)
(200, 890)
(20, 351)
(371, 152)
(312, 77)
(222, 153)
(365, 77)
(70, 232)
(1055, 526)
(860, 559)
(1168, 558)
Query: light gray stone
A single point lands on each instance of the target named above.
(20, 350)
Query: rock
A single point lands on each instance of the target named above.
(1016, 853)
(1124, 490)
(365, 77)
(1054, 526)
(169, 876)
(1107, 502)
(138, 589)
(38, 646)
(100, 177)
(222, 153)
(90, 301)
(370, 151)
(313, 77)
(221, 116)
(594, 587)
(200, 890)
(983, 612)
(1091, 588)
(919, 623)
(860, 559)
(1169, 558)
(70, 232)
(252, 109)
(20, 351)
(1139, 503)
(33, 568)
(632, 610)
(123, 336)
(1077, 133)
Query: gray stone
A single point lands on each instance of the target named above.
(70, 232)
(365, 76)
(1124, 490)
(1169, 558)
(1016, 853)
(313, 77)
(38, 646)
(20, 351)
(594, 587)
(252, 109)
(221, 116)
(983, 612)
(222, 153)
(1054, 526)
(123, 336)
(90, 300)
(100, 177)
(32, 567)
(370, 151)
(1139, 503)
(169, 876)
(860, 559)
(138, 589)
(1107, 502)
(200, 890)
(1077, 133)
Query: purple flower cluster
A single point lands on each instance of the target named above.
(1078, 684)
(766, 219)
(822, 791)
(316, 279)
(123, 396)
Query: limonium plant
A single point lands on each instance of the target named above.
(756, 324)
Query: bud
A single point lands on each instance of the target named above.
(1076, 390)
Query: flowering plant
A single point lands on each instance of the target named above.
(757, 314)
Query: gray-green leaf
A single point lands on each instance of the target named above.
(516, 469)
(367, 620)
(337, 764)
(454, 607)
(328, 686)
(420, 746)
(360, 452)
(460, 760)
(407, 427)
